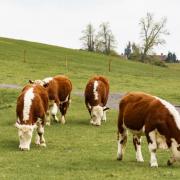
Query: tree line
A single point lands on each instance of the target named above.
(103, 41)
(152, 34)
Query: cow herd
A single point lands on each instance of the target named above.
(140, 113)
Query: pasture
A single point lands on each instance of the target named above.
(77, 150)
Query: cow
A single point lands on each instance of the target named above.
(148, 115)
(59, 91)
(96, 96)
(32, 105)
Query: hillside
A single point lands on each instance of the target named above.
(45, 60)
(77, 150)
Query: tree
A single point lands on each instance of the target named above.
(88, 37)
(174, 58)
(171, 57)
(136, 52)
(127, 50)
(151, 33)
(105, 41)
(136, 49)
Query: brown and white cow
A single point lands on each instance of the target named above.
(32, 105)
(153, 117)
(96, 96)
(59, 91)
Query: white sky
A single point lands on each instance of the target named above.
(60, 22)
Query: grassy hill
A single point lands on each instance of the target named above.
(45, 60)
(76, 150)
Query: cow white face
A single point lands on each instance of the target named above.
(96, 115)
(175, 148)
(25, 135)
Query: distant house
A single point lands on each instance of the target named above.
(161, 57)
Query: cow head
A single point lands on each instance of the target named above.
(97, 114)
(40, 82)
(25, 135)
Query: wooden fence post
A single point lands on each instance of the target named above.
(24, 55)
(66, 63)
(110, 60)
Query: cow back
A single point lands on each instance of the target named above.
(102, 91)
(38, 106)
(141, 109)
(59, 86)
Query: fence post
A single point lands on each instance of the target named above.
(110, 60)
(66, 63)
(152, 70)
(24, 55)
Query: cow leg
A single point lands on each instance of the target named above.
(137, 146)
(88, 108)
(63, 109)
(122, 139)
(171, 145)
(152, 145)
(39, 140)
(54, 110)
(48, 119)
(171, 161)
(104, 116)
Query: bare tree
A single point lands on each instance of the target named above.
(88, 37)
(151, 33)
(105, 41)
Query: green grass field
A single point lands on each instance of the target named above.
(78, 150)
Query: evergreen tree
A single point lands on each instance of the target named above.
(127, 50)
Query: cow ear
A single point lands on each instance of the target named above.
(106, 108)
(17, 125)
(31, 82)
(46, 85)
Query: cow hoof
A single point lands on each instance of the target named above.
(154, 165)
(48, 123)
(119, 157)
(55, 118)
(43, 145)
(63, 120)
(24, 149)
(140, 160)
(169, 163)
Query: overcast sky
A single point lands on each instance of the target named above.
(60, 22)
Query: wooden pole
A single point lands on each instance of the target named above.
(24, 55)
(110, 65)
(66, 63)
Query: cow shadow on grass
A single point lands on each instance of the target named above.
(84, 122)
(9, 145)
(131, 165)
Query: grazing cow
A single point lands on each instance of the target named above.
(32, 105)
(96, 96)
(153, 117)
(59, 91)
